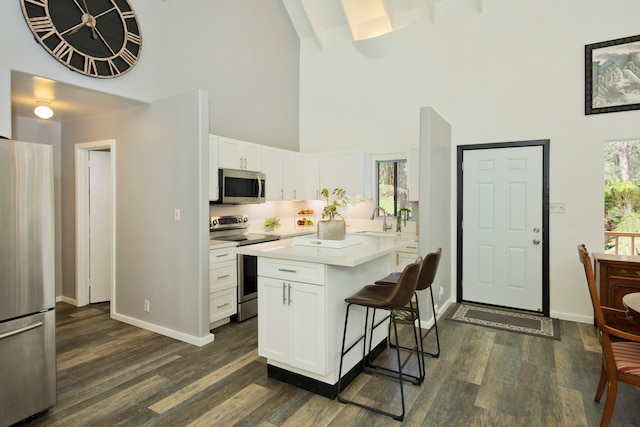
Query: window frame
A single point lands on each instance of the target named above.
(384, 157)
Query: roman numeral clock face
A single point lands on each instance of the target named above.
(97, 38)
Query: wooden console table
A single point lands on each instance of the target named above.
(618, 275)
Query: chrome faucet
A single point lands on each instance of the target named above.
(385, 226)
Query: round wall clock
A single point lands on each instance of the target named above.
(97, 38)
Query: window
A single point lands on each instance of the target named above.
(622, 197)
(391, 189)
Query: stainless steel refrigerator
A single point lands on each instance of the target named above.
(27, 288)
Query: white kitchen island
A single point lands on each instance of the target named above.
(301, 308)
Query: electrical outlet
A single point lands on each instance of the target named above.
(146, 305)
(557, 207)
(441, 291)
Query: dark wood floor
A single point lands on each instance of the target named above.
(111, 374)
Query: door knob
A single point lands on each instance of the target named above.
(536, 241)
(536, 230)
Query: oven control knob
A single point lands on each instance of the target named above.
(214, 222)
(245, 219)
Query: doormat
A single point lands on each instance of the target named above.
(509, 320)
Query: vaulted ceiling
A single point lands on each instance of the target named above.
(314, 18)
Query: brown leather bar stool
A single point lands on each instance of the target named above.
(381, 298)
(427, 275)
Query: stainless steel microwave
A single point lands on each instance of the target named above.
(240, 187)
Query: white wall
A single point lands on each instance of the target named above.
(243, 52)
(162, 154)
(512, 72)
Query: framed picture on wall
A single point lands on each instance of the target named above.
(612, 75)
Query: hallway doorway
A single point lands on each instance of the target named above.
(95, 222)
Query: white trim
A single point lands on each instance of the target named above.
(82, 219)
(571, 317)
(67, 300)
(427, 324)
(189, 339)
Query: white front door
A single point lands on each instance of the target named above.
(99, 226)
(502, 227)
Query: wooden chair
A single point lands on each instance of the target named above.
(620, 359)
(381, 298)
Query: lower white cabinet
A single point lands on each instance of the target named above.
(406, 256)
(292, 322)
(223, 284)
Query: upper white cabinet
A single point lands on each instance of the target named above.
(281, 168)
(214, 191)
(272, 159)
(308, 172)
(289, 183)
(349, 170)
(236, 154)
(413, 167)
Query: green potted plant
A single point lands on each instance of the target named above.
(332, 228)
(271, 223)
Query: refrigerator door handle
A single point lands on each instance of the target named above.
(21, 330)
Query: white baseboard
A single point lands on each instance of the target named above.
(571, 317)
(68, 300)
(440, 310)
(180, 336)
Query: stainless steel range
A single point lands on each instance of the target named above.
(233, 228)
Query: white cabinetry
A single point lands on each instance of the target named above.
(223, 284)
(413, 167)
(272, 167)
(289, 182)
(279, 166)
(292, 321)
(406, 256)
(214, 191)
(236, 154)
(349, 170)
(308, 176)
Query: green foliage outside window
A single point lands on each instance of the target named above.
(622, 193)
(392, 186)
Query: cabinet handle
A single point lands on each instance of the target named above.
(222, 277)
(634, 274)
(222, 255)
(289, 294)
(223, 305)
(294, 195)
(287, 270)
(284, 296)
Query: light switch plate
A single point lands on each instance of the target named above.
(176, 214)
(557, 207)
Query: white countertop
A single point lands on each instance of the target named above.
(370, 249)
(221, 244)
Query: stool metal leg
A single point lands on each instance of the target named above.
(381, 370)
(435, 326)
(400, 375)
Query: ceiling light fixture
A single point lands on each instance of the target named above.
(367, 18)
(43, 110)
